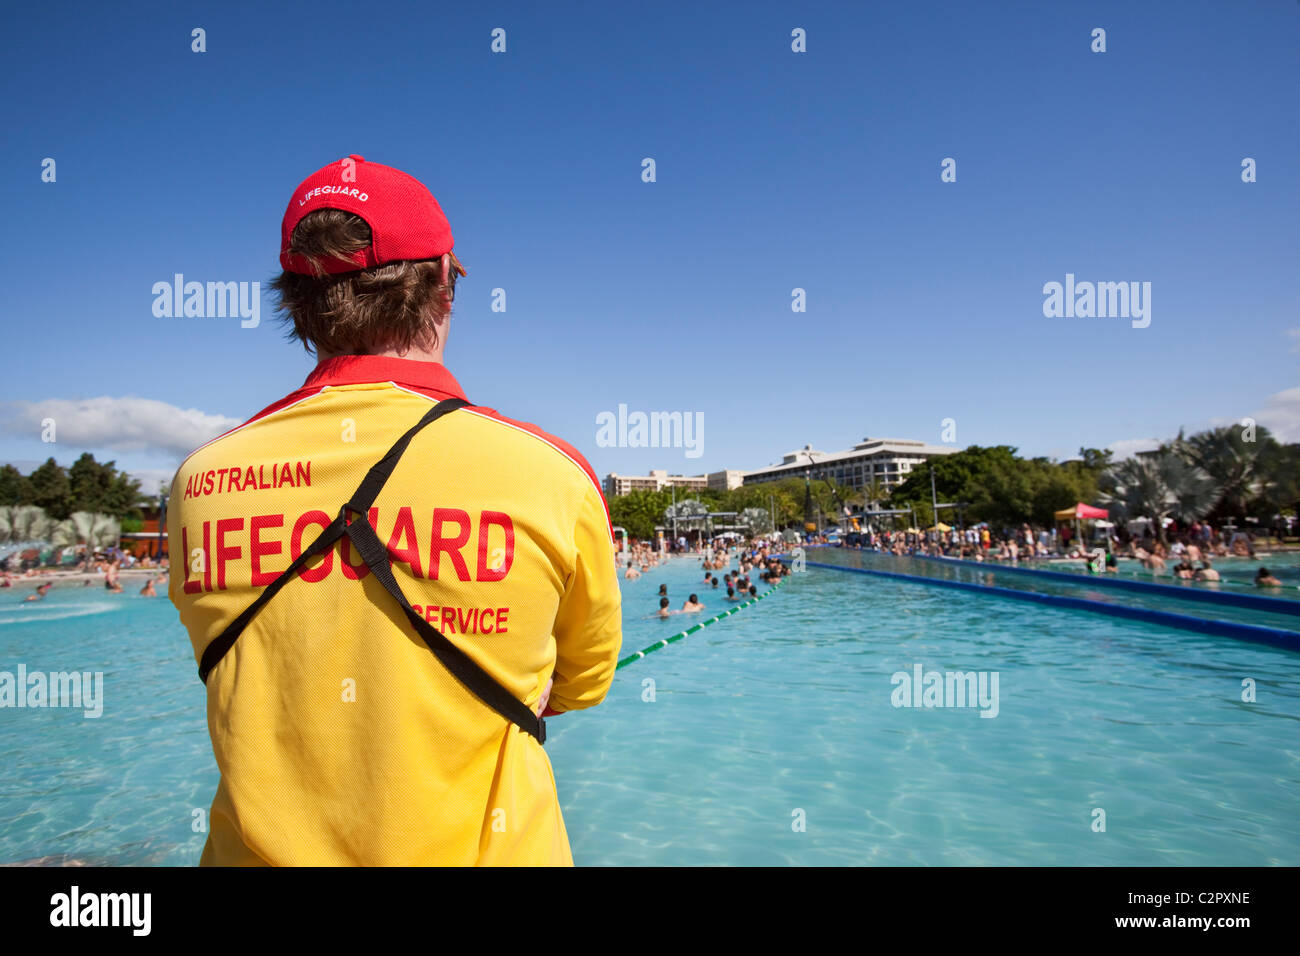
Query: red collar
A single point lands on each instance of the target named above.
(355, 369)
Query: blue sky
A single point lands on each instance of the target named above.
(775, 170)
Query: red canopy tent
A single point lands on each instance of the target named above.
(1080, 512)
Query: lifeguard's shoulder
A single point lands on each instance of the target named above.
(213, 450)
(543, 455)
(541, 447)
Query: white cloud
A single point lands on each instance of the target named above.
(1128, 447)
(1281, 415)
(1295, 335)
(151, 479)
(123, 424)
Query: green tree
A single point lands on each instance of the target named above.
(639, 512)
(995, 485)
(1062, 486)
(90, 482)
(1095, 460)
(785, 497)
(51, 490)
(15, 488)
(101, 487)
(125, 496)
(1279, 466)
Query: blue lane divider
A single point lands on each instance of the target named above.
(1273, 636)
(1256, 602)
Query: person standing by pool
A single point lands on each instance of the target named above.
(404, 628)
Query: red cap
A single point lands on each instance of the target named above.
(405, 220)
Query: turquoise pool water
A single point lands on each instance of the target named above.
(778, 714)
(1176, 598)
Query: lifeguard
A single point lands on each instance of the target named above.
(386, 586)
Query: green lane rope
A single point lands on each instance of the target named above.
(657, 645)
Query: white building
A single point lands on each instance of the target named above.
(726, 479)
(657, 480)
(886, 460)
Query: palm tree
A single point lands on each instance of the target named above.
(826, 496)
(691, 514)
(24, 523)
(870, 495)
(1231, 461)
(1158, 486)
(757, 520)
(93, 529)
(1194, 491)
(24, 526)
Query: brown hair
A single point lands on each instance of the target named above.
(390, 306)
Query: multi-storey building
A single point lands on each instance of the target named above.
(886, 460)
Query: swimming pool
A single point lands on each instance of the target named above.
(777, 716)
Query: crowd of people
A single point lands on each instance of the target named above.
(755, 561)
(1186, 553)
(638, 558)
(109, 566)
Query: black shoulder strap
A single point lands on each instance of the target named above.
(368, 545)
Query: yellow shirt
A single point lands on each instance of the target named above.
(339, 736)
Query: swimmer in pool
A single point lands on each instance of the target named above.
(147, 590)
(731, 594)
(1265, 580)
(692, 604)
(1206, 573)
(41, 591)
(663, 607)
